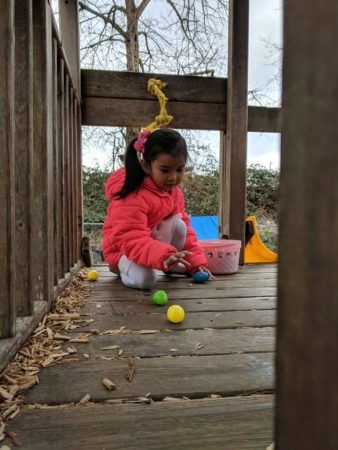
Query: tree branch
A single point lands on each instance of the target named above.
(104, 18)
(142, 6)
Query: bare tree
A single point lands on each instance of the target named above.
(180, 36)
(171, 36)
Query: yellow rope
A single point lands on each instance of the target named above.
(163, 119)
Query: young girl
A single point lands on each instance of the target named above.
(146, 226)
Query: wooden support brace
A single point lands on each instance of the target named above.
(7, 163)
(23, 154)
(307, 333)
(42, 241)
(234, 142)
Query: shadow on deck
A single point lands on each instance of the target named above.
(204, 383)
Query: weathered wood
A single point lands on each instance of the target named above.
(264, 120)
(71, 179)
(228, 423)
(187, 284)
(189, 342)
(108, 293)
(190, 305)
(184, 375)
(63, 282)
(23, 154)
(188, 115)
(69, 29)
(116, 112)
(76, 183)
(307, 402)
(132, 85)
(42, 231)
(182, 281)
(157, 320)
(61, 150)
(58, 271)
(234, 147)
(7, 164)
(24, 327)
(67, 210)
(248, 268)
(123, 91)
(79, 183)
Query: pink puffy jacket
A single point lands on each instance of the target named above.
(129, 223)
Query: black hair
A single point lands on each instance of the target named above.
(163, 140)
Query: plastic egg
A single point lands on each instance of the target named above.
(93, 275)
(200, 277)
(175, 314)
(160, 298)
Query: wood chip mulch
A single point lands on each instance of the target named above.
(48, 345)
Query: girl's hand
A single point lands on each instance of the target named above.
(202, 269)
(175, 258)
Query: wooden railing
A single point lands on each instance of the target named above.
(40, 167)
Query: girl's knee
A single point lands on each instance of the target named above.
(179, 235)
(148, 279)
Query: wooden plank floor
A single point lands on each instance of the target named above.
(211, 378)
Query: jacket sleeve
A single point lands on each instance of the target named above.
(128, 218)
(197, 257)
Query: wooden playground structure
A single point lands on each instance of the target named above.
(219, 364)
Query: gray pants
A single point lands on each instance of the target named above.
(170, 231)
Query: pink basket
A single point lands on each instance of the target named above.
(222, 255)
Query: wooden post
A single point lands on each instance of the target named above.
(71, 178)
(58, 272)
(79, 184)
(76, 181)
(7, 163)
(234, 142)
(61, 142)
(67, 210)
(307, 362)
(69, 29)
(42, 242)
(23, 153)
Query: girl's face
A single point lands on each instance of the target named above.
(167, 171)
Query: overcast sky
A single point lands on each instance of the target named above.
(265, 26)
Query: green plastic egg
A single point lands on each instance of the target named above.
(160, 298)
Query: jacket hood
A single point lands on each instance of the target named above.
(114, 183)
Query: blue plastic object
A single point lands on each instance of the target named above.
(206, 227)
(199, 277)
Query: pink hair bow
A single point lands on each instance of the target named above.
(141, 140)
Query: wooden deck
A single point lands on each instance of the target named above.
(204, 384)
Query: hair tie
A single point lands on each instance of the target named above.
(141, 140)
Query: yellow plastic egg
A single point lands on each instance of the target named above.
(175, 314)
(92, 275)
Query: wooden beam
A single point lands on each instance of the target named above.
(307, 363)
(7, 164)
(42, 239)
(23, 153)
(187, 115)
(234, 142)
(120, 112)
(131, 85)
(69, 29)
(195, 102)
